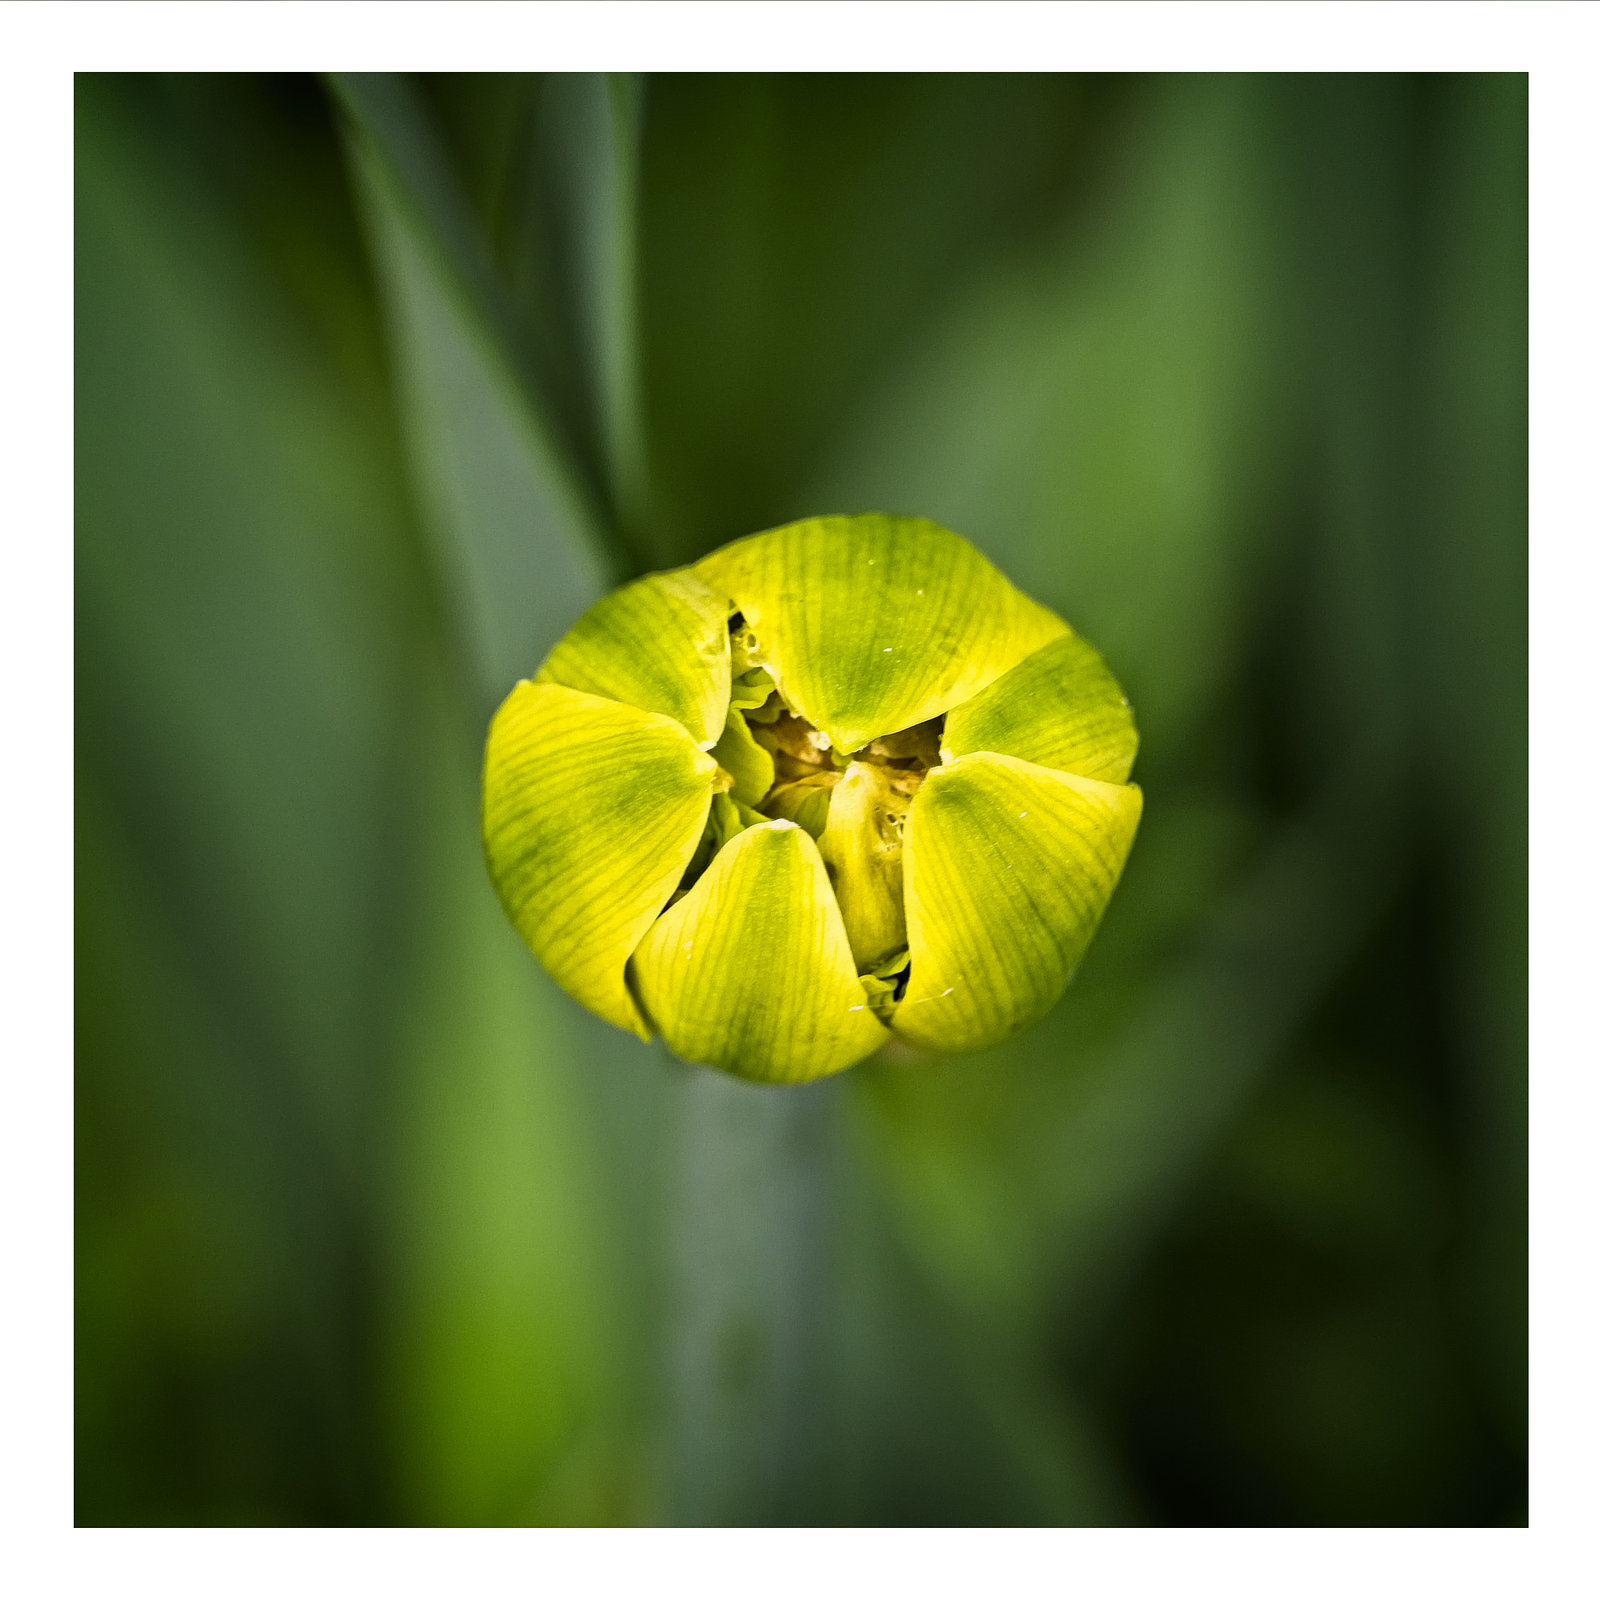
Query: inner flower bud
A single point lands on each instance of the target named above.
(853, 804)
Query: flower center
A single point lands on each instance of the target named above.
(853, 804)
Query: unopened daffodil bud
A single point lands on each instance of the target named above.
(832, 783)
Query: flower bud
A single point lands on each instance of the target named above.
(833, 782)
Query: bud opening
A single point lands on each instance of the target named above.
(853, 804)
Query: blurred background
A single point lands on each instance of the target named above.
(380, 381)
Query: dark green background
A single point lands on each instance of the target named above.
(378, 383)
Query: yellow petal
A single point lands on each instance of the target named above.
(805, 801)
(1008, 868)
(658, 644)
(873, 623)
(1060, 708)
(591, 811)
(861, 849)
(751, 971)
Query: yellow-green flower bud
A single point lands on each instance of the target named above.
(832, 782)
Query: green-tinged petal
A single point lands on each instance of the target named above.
(873, 623)
(805, 801)
(729, 817)
(659, 644)
(752, 689)
(591, 812)
(743, 760)
(861, 850)
(886, 983)
(1008, 868)
(1060, 708)
(751, 971)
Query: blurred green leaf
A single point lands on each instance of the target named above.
(504, 1361)
(484, 1420)
(798, 231)
(586, 210)
(246, 580)
(550, 162)
(1474, 615)
(521, 544)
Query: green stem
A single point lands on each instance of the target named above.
(748, 1209)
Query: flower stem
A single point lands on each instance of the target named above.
(749, 1196)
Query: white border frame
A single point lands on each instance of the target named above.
(42, 44)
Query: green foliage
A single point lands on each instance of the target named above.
(381, 382)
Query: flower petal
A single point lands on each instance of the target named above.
(861, 849)
(751, 971)
(1060, 708)
(659, 644)
(805, 801)
(591, 812)
(743, 760)
(873, 623)
(1008, 867)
